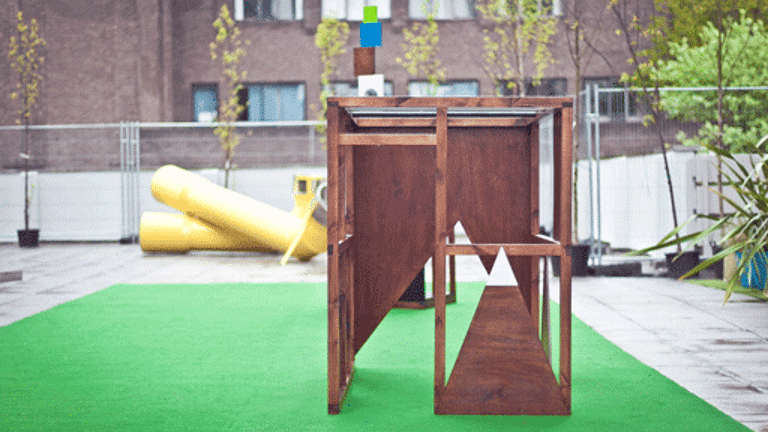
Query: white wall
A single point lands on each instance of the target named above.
(635, 200)
(635, 204)
(87, 206)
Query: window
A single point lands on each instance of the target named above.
(352, 10)
(205, 102)
(271, 102)
(350, 89)
(447, 9)
(269, 10)
(615, 105)
(547, 87)
(452, 88)
(552, 7)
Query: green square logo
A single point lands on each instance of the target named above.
(369, 14)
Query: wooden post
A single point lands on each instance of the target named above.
(566, 165)
(334, 305)
(441, 174)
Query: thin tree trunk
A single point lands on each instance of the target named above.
(26, 172)
(576, 133)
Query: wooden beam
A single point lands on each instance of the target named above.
(452, 121)
(445, 102)
(386, 139)
(510, 249)
(441, 208)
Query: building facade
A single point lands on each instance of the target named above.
(108, 61)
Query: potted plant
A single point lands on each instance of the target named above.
(28, 237)
(745, 231)
(26, 60)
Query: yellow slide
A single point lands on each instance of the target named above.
(216, 218)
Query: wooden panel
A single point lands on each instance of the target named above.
(502, 368)
(386, 139)
(394, 227)
(489, 182)
(452, 122)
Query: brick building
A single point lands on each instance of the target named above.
(148, 60)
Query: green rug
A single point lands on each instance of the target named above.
(252, 357)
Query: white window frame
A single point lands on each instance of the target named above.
(447, 9)
(419, 87)
(298, 10)
(353, 9)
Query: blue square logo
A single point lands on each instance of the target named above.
(370, 34)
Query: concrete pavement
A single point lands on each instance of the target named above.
(719, 353)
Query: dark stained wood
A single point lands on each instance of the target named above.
(566, 150)
(364, 61)
(349, 196)
(394, 227)
(431, 102)
(386, 139)
(441, 231)
(488, 172)
(399, 202)
(334, 345)
(490, 250)
(532, 294)
(502, 368)
(452, 122)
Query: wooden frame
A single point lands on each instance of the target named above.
(397, 183)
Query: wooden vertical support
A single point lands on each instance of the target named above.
(566, 165)
(546, 336)
(349, 218)
(349, 194)
(533, 171)
(334, 305)
(452, 266)
(441, 174)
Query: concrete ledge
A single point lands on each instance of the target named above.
(9, 276)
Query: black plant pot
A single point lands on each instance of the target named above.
(718, 266)
(687, 261)
(28, 238)
(579, 261)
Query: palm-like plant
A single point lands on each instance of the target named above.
(746, 229)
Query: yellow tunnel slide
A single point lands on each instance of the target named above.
(216, 218)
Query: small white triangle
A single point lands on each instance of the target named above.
(501, 273)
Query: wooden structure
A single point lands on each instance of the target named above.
(401, 172)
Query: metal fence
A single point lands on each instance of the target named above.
(96, 147)
(612, 124)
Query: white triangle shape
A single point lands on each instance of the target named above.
(501, 273)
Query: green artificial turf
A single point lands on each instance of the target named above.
(722, 285)
(252, 357)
